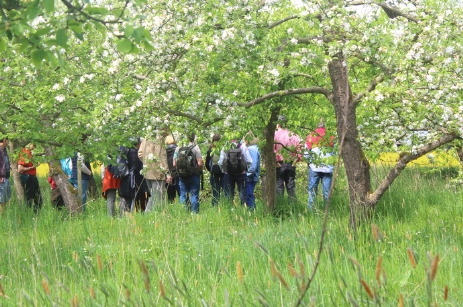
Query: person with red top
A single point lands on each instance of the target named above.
(110, 186)
(287, 150)
(319, 147)
(28, 175)
(56, 198)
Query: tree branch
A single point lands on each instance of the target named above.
(279, 22)
(402, 163)
(393, 12)
(79, 10)
(369, 89)
(11, 83)
(297, 91)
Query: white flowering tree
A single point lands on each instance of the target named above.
(376, 71)
(379, 68)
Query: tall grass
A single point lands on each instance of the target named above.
(226, 256)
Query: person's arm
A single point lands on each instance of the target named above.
(200, 164)
(22, 169)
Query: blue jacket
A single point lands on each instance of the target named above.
(254, 169)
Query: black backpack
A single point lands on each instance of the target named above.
(186, 162)
(170, 150)
(121, 169)
(235, 162)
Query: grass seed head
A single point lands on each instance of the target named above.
(411, 257)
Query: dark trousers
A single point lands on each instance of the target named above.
(286, 177)
(217, 185)
(173, 189)
(31, 187)
(229, 188)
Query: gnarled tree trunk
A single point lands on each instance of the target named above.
(356, 164)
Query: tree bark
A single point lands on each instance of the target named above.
(61, 179)
(268, 159)
(356, 164)
(460, 153)
(15, 174)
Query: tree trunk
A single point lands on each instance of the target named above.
(61, 179)
(356, 164)
(15, 174)
(268, 159)
(460, 153)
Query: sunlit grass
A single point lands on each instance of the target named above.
(227, 256)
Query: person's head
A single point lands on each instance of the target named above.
(251, 139)
(281, 121)
(4, 140)
(170, 140)
(216, 137)
(192, 137)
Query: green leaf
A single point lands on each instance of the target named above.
(33, 12)
(148, 46)
(124, 45)
(2, 45)
(61, 38)
(97, 11)
(128, 31)
(37, 57)
(138, 33)
(43, 31)
(49, 5)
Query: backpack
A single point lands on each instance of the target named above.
(186, 162)
(235, 162)
(170, 150)
(121, 169)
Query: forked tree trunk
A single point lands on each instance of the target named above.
(356, 164)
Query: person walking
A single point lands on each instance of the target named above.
(319, 147)
(235, 164)
(189, 164)
(252, 174)
(109, 190)
(28, 176)
(216, 178)
(287, 148)
(154, 158)
(172, 187)
(5, 187)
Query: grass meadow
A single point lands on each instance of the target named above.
(410, 255)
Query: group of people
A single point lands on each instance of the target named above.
(289, 149)
(158, 170)
(27, 173)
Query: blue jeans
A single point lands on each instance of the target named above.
(250, 197)
(229, 188)
(314, 179)
(189, 190)
(217, 185)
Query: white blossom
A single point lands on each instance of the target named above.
(60, 98)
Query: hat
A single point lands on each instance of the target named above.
(282, 118)
(254, 141)
(170, 140)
